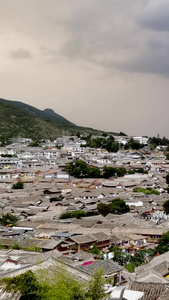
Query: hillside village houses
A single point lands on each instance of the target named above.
(42, 170)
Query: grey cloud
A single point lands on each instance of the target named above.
(155, 15)
(83, 41)
(95, 31)
(153, 59)
(104, 34)
(21, 54)
(147, 63)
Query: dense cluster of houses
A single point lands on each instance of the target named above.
(49, 191)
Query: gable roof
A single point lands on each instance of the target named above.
(82, 239)
(108, 266)
(150, 289)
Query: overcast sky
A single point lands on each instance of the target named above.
(98, 63)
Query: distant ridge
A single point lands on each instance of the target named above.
(47, 114)
(18, 119)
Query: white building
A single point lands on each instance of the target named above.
(141, 139)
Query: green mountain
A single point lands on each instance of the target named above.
(47, 115)
(18, 119)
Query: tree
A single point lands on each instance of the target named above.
(96, 286)
(166, 206)
(33, 248)
(35, 144)
(8, 219)
(146, 191)
(93, 172)
(64, 287)
(132, 144)
(121, 171)
(163, 245)
(103, 209)
(139, 257)
(122, 134)
(80, 169)
(15, 246)
(167, 178)
(121, 257)
(118, 206)
(109, 171)
(18, 185)
(77, 169)
(94, 249)
(104, 134)
(78, 134)
(112, 146)
(28, 285)
(167, 155)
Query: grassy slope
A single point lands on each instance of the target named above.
(20, 119)
(13, 123)
(46, 115)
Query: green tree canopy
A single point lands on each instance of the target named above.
(8, 219)
(104, 142)
(167, 178)
(163, 245)
(96, 286)
(118, 206)
(121, 257)
(132, 144)
(167, 155)
(80, 169)
(166, 206)
(18, 186)
(93, 172)
(65, 287)
(94, 249)
(103, 209)
(60, 286)
(111, 171)
(28, 285)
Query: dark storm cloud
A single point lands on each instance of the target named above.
(21, 53)
(93, 30)
(153, 59)
(121, 42)
(152, 55)
(155, 15)
(106, 35)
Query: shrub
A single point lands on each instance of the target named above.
(33, 248)
(77, 214)
(166, 206)
(8, 219)
(117, 206)
(147, 191)
(130, 267)
(163, 245)
(15, 246)
(94, 249)
(18, 186)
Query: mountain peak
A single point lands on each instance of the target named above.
(49, 111)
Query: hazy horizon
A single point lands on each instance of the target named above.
(101, 64)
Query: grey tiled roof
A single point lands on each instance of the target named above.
(107, 265)
(150, 289)
(51, 244)
(85, 238)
